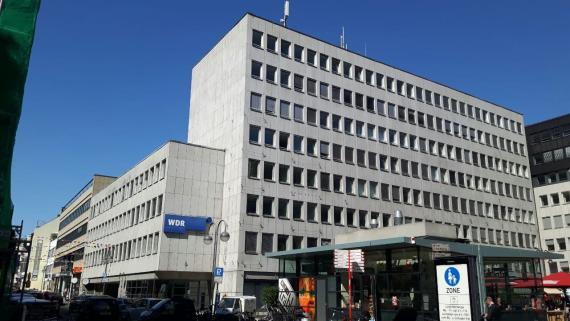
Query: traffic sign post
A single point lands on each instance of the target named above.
(218, 274)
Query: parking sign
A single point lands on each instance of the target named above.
(218, 274)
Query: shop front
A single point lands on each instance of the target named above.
(429, 272)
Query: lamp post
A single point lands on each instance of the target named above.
(224, 237)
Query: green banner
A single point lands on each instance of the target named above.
(17, 26)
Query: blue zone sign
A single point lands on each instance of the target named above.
(179, 224)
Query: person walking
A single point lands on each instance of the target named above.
(493, 313)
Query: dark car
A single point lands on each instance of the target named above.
(94, 307)
(124, 305)
(178, 309)
(36, 309)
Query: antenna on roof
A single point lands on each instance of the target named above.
(285, 13)
(343, 43)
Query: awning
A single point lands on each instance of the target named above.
(557, 280)
(460, 248)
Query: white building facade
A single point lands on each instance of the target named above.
(319, 140)
(128, 253)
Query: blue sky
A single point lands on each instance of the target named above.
(109, 81)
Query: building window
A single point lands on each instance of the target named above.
(285, 48)
(252, 204)
(298, 176)
(255, 102)
(271, 74)
(254, 134)
(256, 69)
(311, 87)
(325, 181)
(311, 178)
(298, 144)
(324, 61)
(311, 212)
(297, 210)
(325, 214)
(297, 242)
(298, 82)
(284, 78)
(250, 242)
(270, 103)
(257, 38)
(282, 242)
(253, 168)
(311, 57)
(266, 243)
(284, 107)
(268, 171)
(268, 206)
(284, 174)
(269, 137)
(298, 113)
(284, 141)
(283, 208)
(298, 53)
(271, 43)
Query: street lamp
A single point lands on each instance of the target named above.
(224, 236)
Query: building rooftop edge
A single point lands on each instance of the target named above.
(369, 58)
(162, 146)
(542, 122)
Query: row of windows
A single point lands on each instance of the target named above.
(138, 214)
(553, 266)
(550, 134)
(361, 219)
(298, 210)
(377, 106)
(551, 156)
(555, 222)
(139, 247)
(379, 133)
(284, 242)
(75, 214)
(308, 177)
(553, 199)
(560, 242)
(379, 80)
(551, 178)
(131, 187)
(71, 236)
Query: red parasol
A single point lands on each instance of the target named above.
(557, 280)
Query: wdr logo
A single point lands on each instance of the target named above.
(452, 276)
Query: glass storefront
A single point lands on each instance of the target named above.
(398, 278)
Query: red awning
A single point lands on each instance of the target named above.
(557, 280)
(526, 283)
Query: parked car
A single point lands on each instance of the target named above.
(36, 309)
(94, 307)
(124, 305)
(178, 309)
(53, 296)
(141, 305)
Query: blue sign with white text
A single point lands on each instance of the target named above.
(180, 224)
(218, 272)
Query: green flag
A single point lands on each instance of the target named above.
(17, 26)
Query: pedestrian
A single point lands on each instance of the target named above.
(493, 313)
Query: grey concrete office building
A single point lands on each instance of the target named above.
(320, 140)
(129, 251)
(549, 150)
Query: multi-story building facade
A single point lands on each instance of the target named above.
(321, 140)
(44, 235)
(49, 283)
(549, 150)
(133, 250)
(72, 227)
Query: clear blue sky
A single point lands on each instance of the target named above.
(109, 81)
